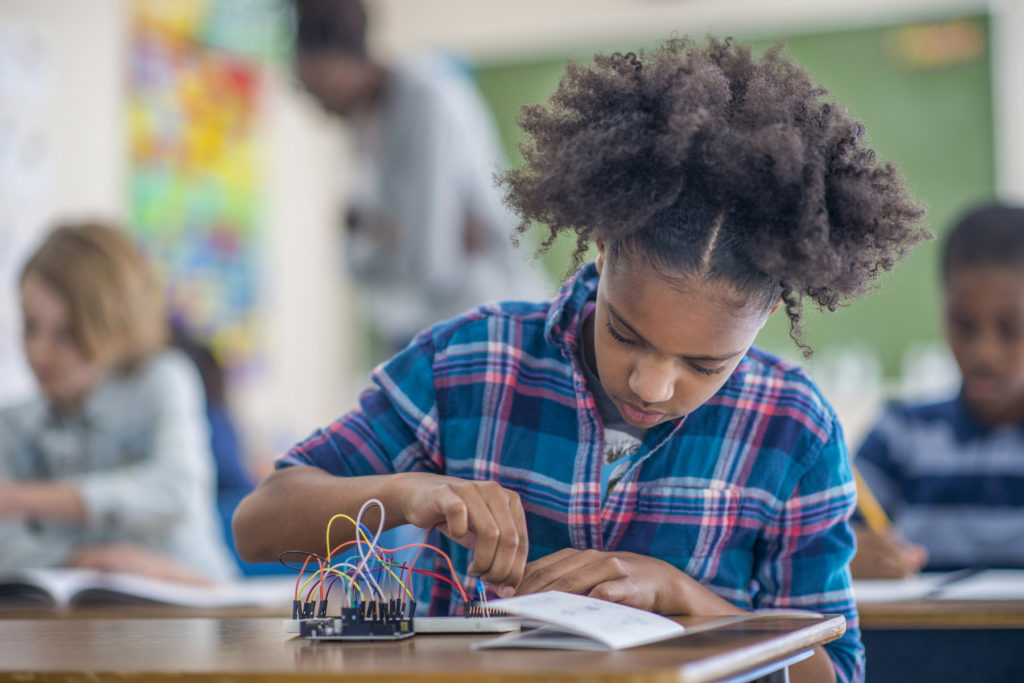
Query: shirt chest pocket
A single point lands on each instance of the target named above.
(691, 527)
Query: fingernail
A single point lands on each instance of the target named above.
(506, 591)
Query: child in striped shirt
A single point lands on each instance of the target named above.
(626, 440)
(950, 474)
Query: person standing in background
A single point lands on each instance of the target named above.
(109, 467)
(428, 235)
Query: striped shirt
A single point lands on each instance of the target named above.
(950, 483)
(750, 494)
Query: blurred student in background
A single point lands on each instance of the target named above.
(950, 475)
(110, 467)
(428, 235)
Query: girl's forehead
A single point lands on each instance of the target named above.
(680, 315)
(630, 274)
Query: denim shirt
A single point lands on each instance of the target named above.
(138, 452)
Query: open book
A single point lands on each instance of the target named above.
(963, 584)
(55, 588)
(568, 621)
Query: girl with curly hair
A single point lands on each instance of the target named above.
(626, 440)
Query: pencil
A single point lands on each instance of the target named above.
(870, 509)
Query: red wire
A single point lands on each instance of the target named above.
(301, 572)
(379, 549)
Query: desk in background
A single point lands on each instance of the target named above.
(256, 649)
(925, 639)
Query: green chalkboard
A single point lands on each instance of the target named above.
(930, 112)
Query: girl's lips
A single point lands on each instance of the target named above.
(634, 414)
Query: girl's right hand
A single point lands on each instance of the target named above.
(479, 515)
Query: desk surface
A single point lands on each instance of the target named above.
(126, 650)
(942, 614)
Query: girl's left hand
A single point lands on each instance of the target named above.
(628, 578)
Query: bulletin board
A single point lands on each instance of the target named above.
(195, 160)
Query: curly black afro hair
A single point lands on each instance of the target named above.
(716, 164)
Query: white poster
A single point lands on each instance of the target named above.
(27, 87)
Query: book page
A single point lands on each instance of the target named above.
(38, 587)
(604, 624)
(915, 587)
(991, 584)
(85, 586)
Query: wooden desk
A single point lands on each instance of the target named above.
(256, 649)
(941, 614)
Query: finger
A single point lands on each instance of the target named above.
(455, 511)
(439, 506)
(622, 591)
(509, 560)
(480, 533)
(578, 572)
(498, 543)
(554, 557)
(918, 556)
(518, 512)
(891, 566)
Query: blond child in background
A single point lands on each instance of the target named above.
(110, 466)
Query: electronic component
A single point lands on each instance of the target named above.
(466, 625)
(369, 620)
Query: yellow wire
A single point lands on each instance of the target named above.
(366, 539)
(323, 570)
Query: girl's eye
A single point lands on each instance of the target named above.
(707, 371)
(618, 337)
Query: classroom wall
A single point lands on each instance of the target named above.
(312, 365)
(47, 167)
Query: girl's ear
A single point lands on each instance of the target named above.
(599, 263)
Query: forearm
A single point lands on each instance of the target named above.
(815, 669)
(50, 501)
(290, 510)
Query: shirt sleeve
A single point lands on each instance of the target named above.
(807, 552)
(25, 544)
(177, 470)
(878, 463)
(394, 429)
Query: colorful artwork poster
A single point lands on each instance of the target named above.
(195, 173)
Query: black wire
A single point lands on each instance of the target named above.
(303, 553)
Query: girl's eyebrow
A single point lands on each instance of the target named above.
(632, 330)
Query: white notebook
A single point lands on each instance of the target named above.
(576, 622)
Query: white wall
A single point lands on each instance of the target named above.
(309, 376)
(61, 149)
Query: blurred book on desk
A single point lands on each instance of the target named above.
(61, 588)
(970, 584)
